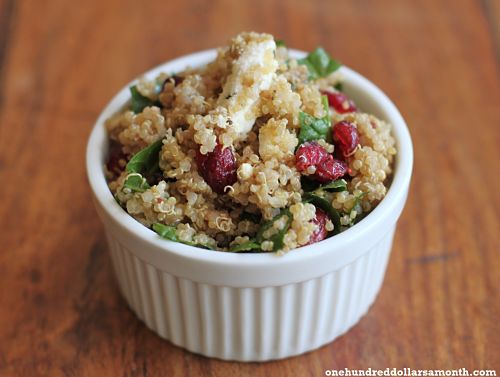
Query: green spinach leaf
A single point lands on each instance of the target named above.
(278, 237)
(334, 186)
(280, 43)
(139, 102)
(319, 63)
(165, 231)
(146, 161)
(310, 185)
(312, 128)
(357, 200)
(136, 183)
(326, 206)
(168, 232)
(245, 246)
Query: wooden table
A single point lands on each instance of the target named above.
(60, 310)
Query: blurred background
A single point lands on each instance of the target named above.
(61, 62)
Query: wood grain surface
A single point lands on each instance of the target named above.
(61, 61)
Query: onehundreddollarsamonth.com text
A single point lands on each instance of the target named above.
(409, 372)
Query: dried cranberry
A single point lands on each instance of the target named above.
(320, 232)
(330, 169)
(309, 154)
(345, 137)
(218, 168)
(327, 167)
(340, 102)
(116, 159)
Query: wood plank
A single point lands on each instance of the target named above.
(60, 310)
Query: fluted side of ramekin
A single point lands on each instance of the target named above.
(246, 324)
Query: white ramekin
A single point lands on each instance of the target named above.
(252, 307)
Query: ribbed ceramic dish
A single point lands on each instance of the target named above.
(252, 307)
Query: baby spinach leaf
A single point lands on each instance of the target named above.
(319, 63)
(326, 206)
(165, 231)
(245, 246)
(357, 200)
(146, 161)
(168, 232)
(278, 237)
(339, 86)
(309, 185)
(136, 183)
(334, 186)
(280, 43)
(200, 245)
(139, 102)
(312, 128)
(267, 225)
(359, 216)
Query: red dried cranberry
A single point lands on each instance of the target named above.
(330, 169)
(345, 137)
(116, 159)
(309, 154)
(340, 102)
(320, 232)
(218, 168)
(327, 167)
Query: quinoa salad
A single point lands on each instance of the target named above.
(254, 152)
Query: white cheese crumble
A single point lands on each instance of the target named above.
(252, 72)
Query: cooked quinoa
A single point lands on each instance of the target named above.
(255, 151)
